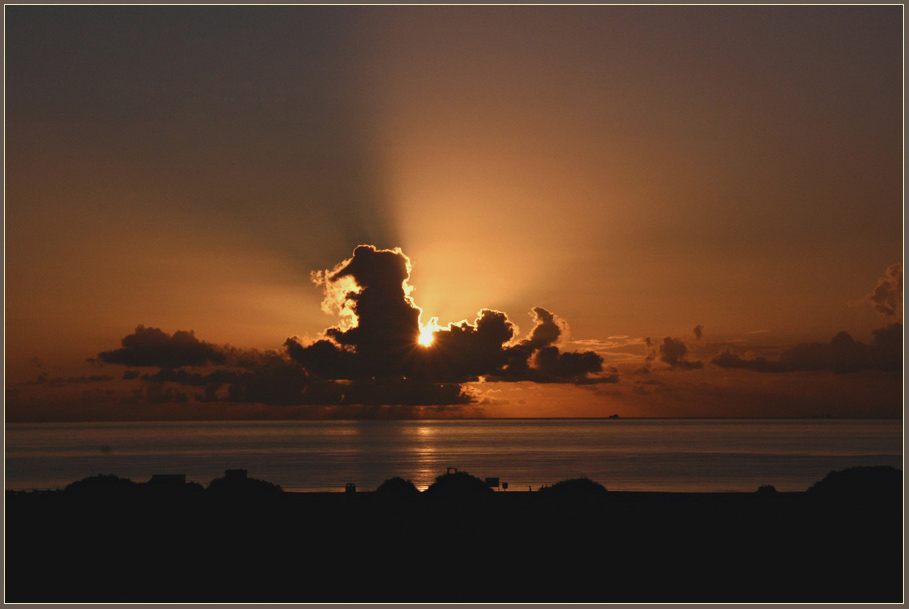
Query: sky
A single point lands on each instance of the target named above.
(252, 211)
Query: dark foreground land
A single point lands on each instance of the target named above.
(110, 540)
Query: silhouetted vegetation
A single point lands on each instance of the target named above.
(102, 484)
(860, 483)
(243, 486)
(110, 485)
(767, 489)
(458, 485)
(398, 487)
(575, 488)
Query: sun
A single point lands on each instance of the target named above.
(426, 336)
(427, 332)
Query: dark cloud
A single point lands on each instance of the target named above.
(698, 331)
(280, 384)
(487, 349)
(157, 393)
(153, 347)
(395, 392)
(546, 331)
(728, 359)
(380, 323)
(673, 351)
(649, 356)
(193, 379)
(372, 357)
(551, 365)
(842, 354)
(326, 359)
(253, 376)
(382, 330)
(537, 358)
(464, 352)
(887, 297)
(60, 381)
(387, 321)
(285, 383)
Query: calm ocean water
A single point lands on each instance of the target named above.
(621, 454)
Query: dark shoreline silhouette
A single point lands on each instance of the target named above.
(109, 539)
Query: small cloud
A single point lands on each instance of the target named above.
(546, 330)
(674, 352)
(887, 297)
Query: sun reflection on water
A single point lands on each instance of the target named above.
(426, 453)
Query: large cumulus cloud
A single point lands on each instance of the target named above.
(387, 322)
(380, 336)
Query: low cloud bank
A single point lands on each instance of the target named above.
(843, 354)
(152, 347)
(383, 353)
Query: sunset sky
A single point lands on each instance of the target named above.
(706, 199)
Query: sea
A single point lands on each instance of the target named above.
(668, 455)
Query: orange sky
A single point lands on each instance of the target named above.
(636, 170)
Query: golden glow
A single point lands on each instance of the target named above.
(425, 336)
(427, 331)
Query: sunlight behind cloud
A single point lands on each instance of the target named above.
(427, 331)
